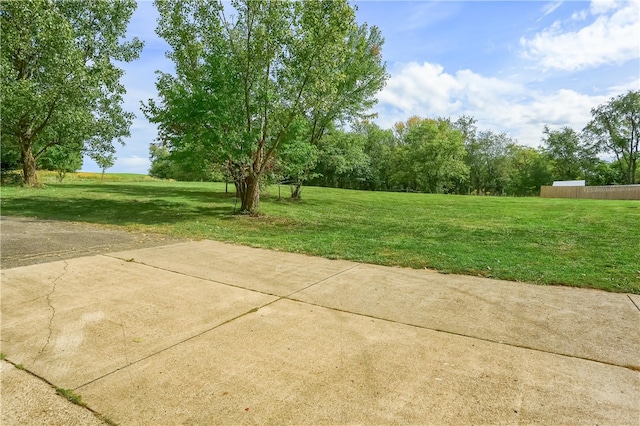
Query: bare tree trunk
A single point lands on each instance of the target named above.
(28, 164)
(250, 194)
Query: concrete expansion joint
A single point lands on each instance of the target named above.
(253, 310)
(138, 262)
(634, 303)
(291, 296)
(288, 296)
(453, 333)
(129, 364)
(82, 405)
(53, 310)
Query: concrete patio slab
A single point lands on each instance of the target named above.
(266, 271)
(588, 324)
(212, 333)
(76, 320)
(291, 363)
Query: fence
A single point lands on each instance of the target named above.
(613, 192)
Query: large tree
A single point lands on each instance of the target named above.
(379, 148)
(430, 155)
(488, 162)
(529, 170)
(615, 129)
(570, 157)
(59, 82)
(242, 80)
(342, 162)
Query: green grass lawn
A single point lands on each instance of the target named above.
(585, 243)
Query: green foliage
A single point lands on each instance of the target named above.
(487, 157)
(183, 165)
(58, 80)
(61, 159)
(529, 171)
(379, 147)
(242, 83)
(570, 157)
(410, 158)
(542, 240)
(107, 420)
(105, 161)
(297, 158)
(603, 173)
(430, 155)
(160, 162)
(342, 161)
(9, 155)
(615, 129)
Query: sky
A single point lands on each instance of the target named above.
(515, 66)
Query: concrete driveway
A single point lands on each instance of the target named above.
(202, 332)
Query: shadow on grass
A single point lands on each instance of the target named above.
(154, 191)
(133, 205)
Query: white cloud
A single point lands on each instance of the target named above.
(613, 37)
(557, 109)
(633, 84)
(580, 15)
(549, 8)
(598, 7)
(501, 105)
(425, 89)
(407, 89)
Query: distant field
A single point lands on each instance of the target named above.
(93, 176)
(585, 243)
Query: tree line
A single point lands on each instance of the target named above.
(443, 156)
(265, 91)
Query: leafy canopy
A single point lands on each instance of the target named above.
(244, 79)
(60, 85)
(615, 129)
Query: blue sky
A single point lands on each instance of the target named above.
(514, 66)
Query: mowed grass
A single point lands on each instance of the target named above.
(584, 243)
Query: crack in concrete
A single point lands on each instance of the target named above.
(53, 310)
(634, 303)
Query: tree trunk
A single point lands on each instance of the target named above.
(250, 194)
(28, 164)
(632, 164)
(296, 190)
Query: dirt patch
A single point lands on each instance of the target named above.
(27, 241)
